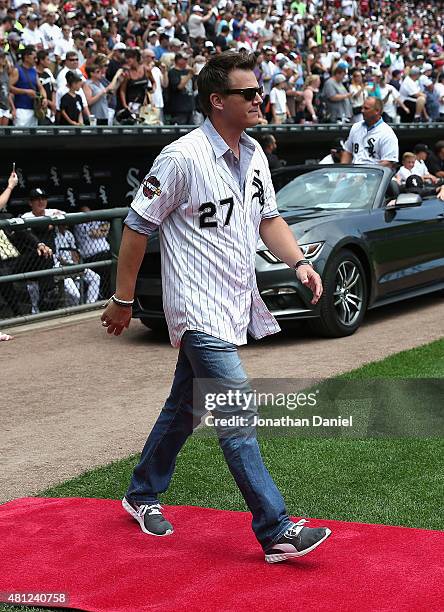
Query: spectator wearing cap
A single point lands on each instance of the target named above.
(278, 101)
(25, 86)
(64, 44)
(410, 167)
(51, 32)
(426, 76)
(196, 23)
(32, 35)
(79, 39)
(435, 161)
(167, 59)
(7, 108)
(39, 290)
(420, 168)
(163, 46)
(411, 95)
(439, 88)
(334, 157)
(71, 104)
(14, 48)
(180, 91)
(117, 60)
(151, 39)
(337, 98)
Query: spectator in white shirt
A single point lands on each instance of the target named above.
(32, 34)
(63, 45)
(411, 95)
(71, 64)
(51, 32)
(420, 168)
(278, 100)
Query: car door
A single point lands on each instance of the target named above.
(406, 246)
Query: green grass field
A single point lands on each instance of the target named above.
(390, 481)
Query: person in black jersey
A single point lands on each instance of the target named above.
(71, 105)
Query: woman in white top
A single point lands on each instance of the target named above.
(359, 94)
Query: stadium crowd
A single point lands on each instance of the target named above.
(125, 61)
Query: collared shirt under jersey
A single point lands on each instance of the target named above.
(209, 208)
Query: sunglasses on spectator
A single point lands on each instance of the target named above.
(249, 93)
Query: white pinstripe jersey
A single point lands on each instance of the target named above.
(209, 232)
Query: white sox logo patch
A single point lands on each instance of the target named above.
(151, 187)
(259, 194)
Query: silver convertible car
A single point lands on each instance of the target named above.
(371, 244)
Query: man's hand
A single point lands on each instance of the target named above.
(43, 250)
(312, 280)
(12, 181)
(115, 318)
(31, 93)
(440, 193)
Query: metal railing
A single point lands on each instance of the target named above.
(79, 274)
(178, 130)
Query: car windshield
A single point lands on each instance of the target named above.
(330, 189)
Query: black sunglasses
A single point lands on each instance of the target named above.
(249, 93)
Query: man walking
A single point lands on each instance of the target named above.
(211, 194)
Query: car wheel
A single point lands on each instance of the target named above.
(343, 305)
(157, 326)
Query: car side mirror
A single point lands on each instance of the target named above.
(406, 200)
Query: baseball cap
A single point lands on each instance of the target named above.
(119, 46)
(197, 9)
(152, 33)
(209, 44)
(13, 36)
(415, 70)
(279, 78)
(421, 148)
(427, 67)
(37, 193)
(33, 17)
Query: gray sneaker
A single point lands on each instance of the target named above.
(297, 541)
(149, 517)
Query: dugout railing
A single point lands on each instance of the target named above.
(78, 275)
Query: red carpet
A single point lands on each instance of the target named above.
(94, 551)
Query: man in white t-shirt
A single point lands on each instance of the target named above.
(391, 99)
(32, 34)
(411, 95)
(371, 141)
(51, 32)
(278, 100)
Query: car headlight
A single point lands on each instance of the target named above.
(311, 251)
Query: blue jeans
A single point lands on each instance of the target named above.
(204, 357)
